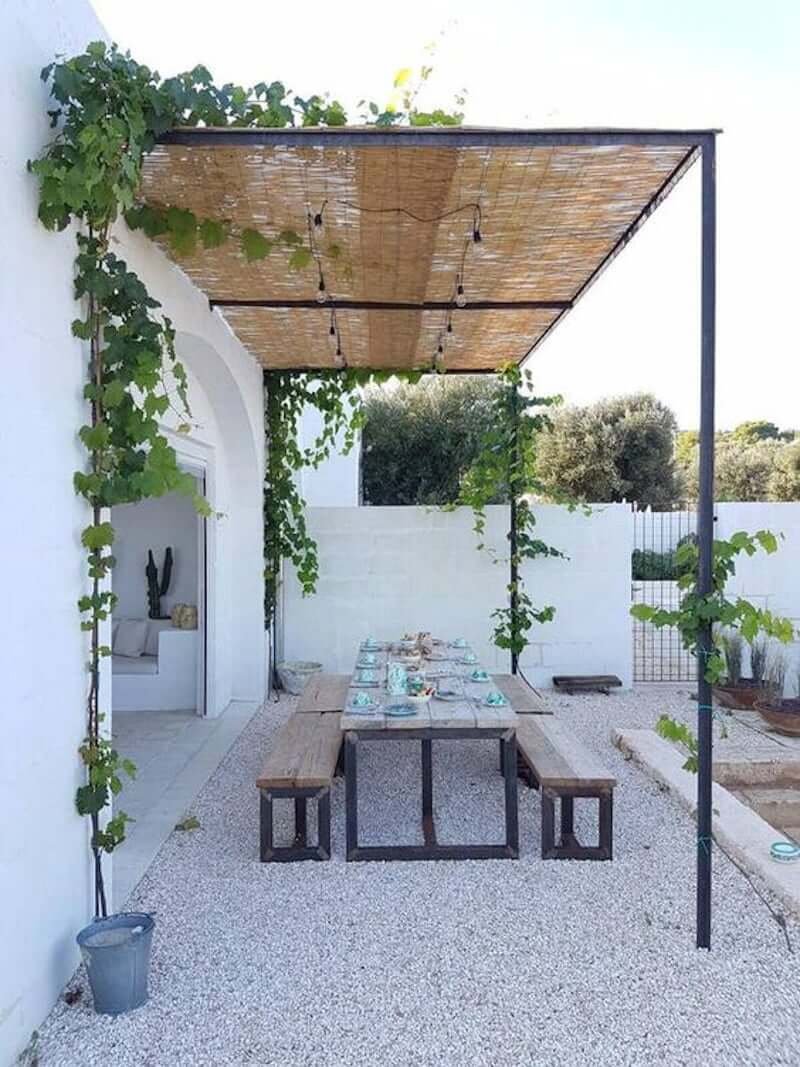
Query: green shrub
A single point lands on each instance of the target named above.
(650, 566)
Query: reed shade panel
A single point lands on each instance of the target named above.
(550, 217)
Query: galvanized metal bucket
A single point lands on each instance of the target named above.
(116, 952)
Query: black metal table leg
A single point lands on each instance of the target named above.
(428, 826)
(431, 849)
(351, 794)
(509, 746)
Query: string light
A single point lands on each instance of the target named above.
(322, 294)
(476, 226)
(461, 300)
(438, 359)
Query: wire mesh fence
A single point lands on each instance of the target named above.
(658, 654)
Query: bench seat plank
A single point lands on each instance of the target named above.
(304, 753)
(323, 693)
(322, 753)
(523, 699)
(558, 760)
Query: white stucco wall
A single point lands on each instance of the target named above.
(335, 483)
(44, 870)
(387, 570)
(768, 581)
(171, 521)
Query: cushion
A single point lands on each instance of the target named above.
(131, 665)
(130, 639)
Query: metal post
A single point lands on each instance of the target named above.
(705, 533)
(512, 533)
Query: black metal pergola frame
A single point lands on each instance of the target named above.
(700, 142)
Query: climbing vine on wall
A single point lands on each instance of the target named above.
(336, 395)
(109, 111)
(505, 470)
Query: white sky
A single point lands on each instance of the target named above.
(733, 64)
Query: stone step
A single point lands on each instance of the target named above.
(780, 807)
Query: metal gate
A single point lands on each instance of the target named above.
(659, 655)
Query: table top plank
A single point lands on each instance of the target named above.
(447, 714)
(469, 713)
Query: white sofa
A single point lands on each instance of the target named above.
(166, 681)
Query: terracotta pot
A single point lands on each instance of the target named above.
(782, 715)
(742, 696)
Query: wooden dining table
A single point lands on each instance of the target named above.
(465, 716)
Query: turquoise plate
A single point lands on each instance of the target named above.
(400, 711)
(363, 709)
(479, 676)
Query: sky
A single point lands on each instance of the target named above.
(729, 64)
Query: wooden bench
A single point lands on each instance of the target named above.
(564, 769)
(324, 693)
(586, 683)
(523, 698)
(300, 766)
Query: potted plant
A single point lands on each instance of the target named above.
(734, 618)
(736, 691)
(780, 712)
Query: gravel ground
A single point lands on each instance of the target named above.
(447, 963)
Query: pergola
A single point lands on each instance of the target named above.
(452, 248)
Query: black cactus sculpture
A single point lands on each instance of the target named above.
(154, 590)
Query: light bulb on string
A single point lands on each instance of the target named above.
(476, 227)
(461, 300)
(322, 294)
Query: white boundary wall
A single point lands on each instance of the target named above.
(768, 581)
(45, 889)
(386, 570)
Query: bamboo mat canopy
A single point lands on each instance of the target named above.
(522, 220)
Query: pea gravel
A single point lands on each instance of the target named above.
(497, 963)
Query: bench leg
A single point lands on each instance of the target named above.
(300, 848)
(548, 826)
(568, 847)
(300, 821)
(265, 827)
(607, 824)
(324, 824)
(339, 769)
